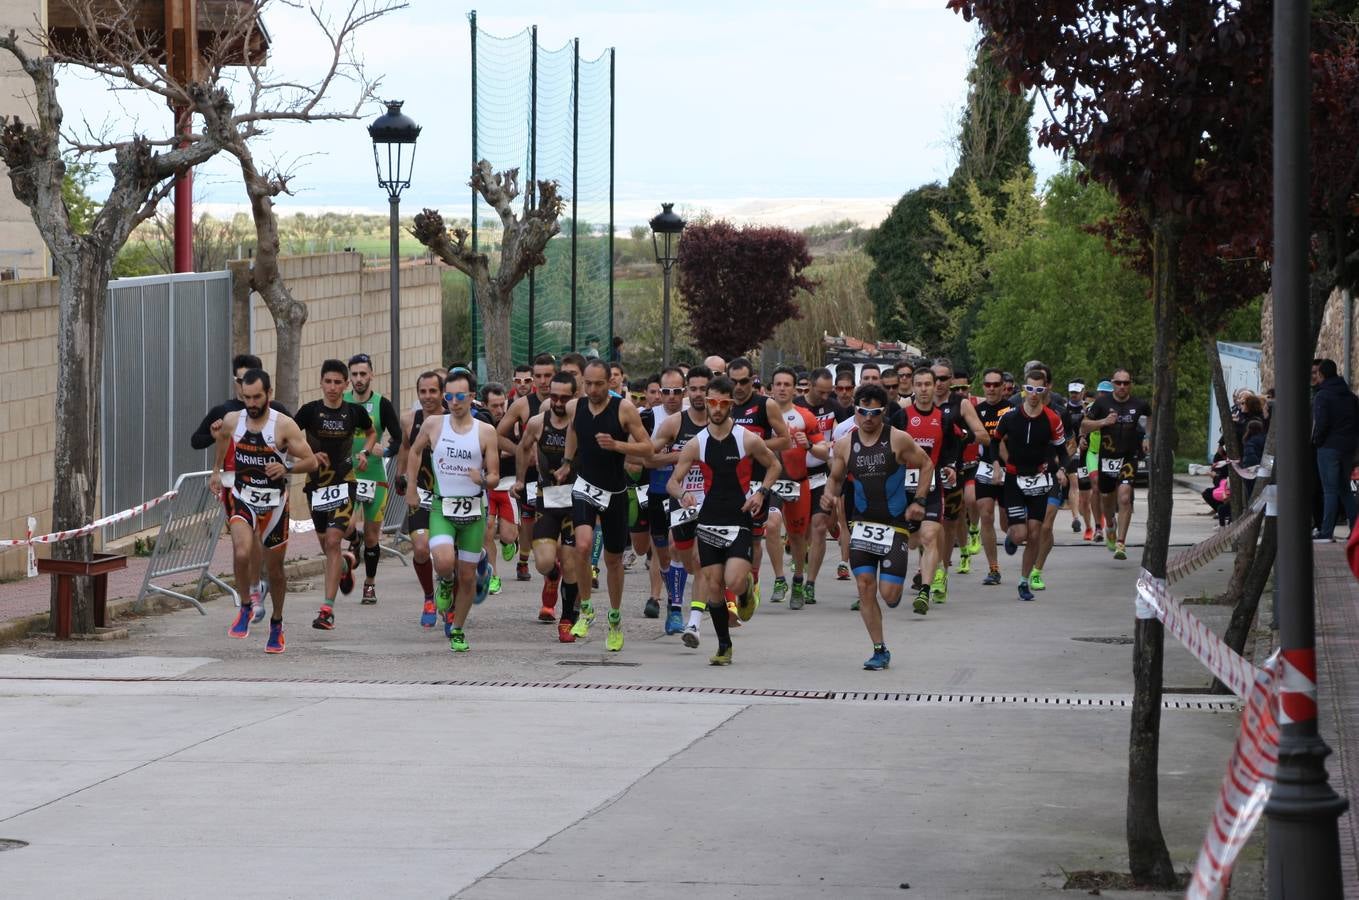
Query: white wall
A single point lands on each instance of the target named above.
(21, 247)
(1240, 369)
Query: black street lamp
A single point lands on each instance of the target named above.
(665, 234)
(394, 136)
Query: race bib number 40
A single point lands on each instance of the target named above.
(331, 497)
(595, 496)
(870, 537)
(365, 491)
(462, 509)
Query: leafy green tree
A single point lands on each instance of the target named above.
(900, 248)
(80, 207)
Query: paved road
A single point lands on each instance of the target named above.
(341, 769)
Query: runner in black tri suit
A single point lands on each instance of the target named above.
(511, 431)
(828, 414)
(265, 446)
(726, 455)
(429, 390)
(604, 430)
(670, 438)
(759, 414)
(990, 474)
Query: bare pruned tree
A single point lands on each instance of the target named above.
(524, 237)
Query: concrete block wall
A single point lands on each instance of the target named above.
(28, 385)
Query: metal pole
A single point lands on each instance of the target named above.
(472, 285)
(665, 319)
(1303, 850)
(575, 160)
(612, 51)
(184, 201)
(394, 389)
(1348, 297)
(533, 171)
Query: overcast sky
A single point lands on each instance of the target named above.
(715, 100)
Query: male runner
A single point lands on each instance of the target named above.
(968, 534)
(670, 438)
(715, 365)
(955, 405)
(1081, 509)
(1033, 449)
(604, 430)
(989, 475)
(511, 430)
(466, 457)
(651, 498)
(879, 457)
(370, 481)
(523, 381)
(544, 441)
(725, 525)
(935, 430)
(331, 425)
(760, 414)
(828, 414)
(1059, 496)
(265, 446)
(790, 503)
(429, 391)
(1121, 422)
(502, 514)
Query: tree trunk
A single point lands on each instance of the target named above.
(84, 280)
(1230, 439)
(496, 308)
(1252, 587)
(1148, 857)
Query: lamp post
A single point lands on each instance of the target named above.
(394, 136)
(665, 233)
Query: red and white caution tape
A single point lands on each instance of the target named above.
(1199, 555)
(1250, 771)
(30, 539)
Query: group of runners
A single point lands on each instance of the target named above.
(700, 471)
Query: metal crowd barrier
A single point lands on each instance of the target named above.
(188, 539)
(394, 517)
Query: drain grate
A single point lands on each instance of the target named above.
(1121, 639)
(11, 844)
(596, 662)
(1030, 701)
(89, 654)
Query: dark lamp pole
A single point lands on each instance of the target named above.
(394, 135)
(665, 234)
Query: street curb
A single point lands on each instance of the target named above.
(1185, 481)
(154, 605)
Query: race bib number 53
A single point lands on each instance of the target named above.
(870, 537)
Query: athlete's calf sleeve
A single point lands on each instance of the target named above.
(721, 623)
(570, 598)
(424, 571)
(371, 555)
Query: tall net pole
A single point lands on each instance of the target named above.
(472, 287)
(575, 178)
(533, 176)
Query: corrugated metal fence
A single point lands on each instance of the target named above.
(167, 361)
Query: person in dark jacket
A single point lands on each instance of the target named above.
(1335, 435)
(203, 438)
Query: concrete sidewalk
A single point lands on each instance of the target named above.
(367, 760)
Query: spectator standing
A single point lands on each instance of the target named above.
(616, 353)
(1335, 435)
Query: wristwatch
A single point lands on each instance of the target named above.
(764, 490)
(923, 501)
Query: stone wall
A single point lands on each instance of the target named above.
(1330, 339)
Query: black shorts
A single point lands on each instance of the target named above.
(711, 552)
(612, 520)
(817, 493)
(417, 520)
(658, 517)
(1022, 507)
(1108, 483)
(335, 517)
(554, 525)
(682, 535)
(953, 503)
(891, 567)
(641, 524)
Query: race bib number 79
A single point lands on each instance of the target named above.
(462, 509)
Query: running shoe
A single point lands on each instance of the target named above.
(733, 617)
(443, 595)
(629, 557)
(565, 634)
(652, 609)
(550, 585)
(1075, 526)
(974, 540)
(797, 600)
(508, 551)
(809, 593)
(1010, 546)
(1036, 580)
(939, 586)
(992, 578)
(1024, 592)
(965, 565)
(547, 614)
(613, 641)
(325, 619)
(674, 621)
(917, 582)
(521, 572)
(722, 657)
(429, 616)
(921, 604)
(748, 601)
(594, 576)
(1120, 552)
(483, 579)
(276, 643)
(842, 572)
(1098, 535)
(257, 603)
(780, 590)
(448, 624)
(855, 606)
(369, 595)
(457, 641)
(493, 585)
(350, 562)
(1110, 541)
(241, 627)
(587, 618)
(1089, 534)
(880, 660)
(690, 637)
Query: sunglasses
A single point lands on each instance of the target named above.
(671, 392)
(1035, 389)
(559, 398)
(1122, 382)
(719, 404)
(523, 381)
(993, 384)
(958, 387)
(240, 381)
(458, 397)
(870, 413)
(844, 387)
(742, 381)
(636, 398)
